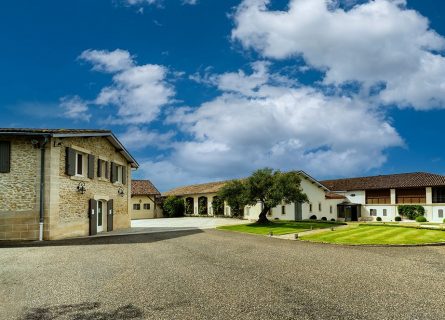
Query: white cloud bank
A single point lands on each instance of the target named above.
(376, 42)
(258, 121)
(139, 92)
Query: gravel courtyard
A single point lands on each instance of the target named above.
(211, 274)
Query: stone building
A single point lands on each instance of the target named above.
(144, 200)
(63, 183)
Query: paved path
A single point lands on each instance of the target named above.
(212, 274)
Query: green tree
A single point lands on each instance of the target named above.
(411, 211)
(233, 193)
(272, 188)
(173, 207)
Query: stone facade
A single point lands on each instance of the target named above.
(19, 209)
(66, 211)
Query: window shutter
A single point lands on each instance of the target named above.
(5, 156)
(93, 216)
(113, 172)
(91, 166)
(124, 175)
(70, 162)
(99, 168)
(107, 169)
(110, 215)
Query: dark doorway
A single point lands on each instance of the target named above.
(354, 213)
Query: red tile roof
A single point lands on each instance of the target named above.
(143, 188)
(401, 180)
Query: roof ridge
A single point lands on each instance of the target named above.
(385, 175)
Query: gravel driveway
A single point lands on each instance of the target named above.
(212, 274)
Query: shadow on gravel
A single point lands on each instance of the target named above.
(82, 311)
(115, 239)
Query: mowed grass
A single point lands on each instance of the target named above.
(279, 227)
(371, 234)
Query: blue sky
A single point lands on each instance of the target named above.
(207, 90)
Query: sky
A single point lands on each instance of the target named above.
(205, 90)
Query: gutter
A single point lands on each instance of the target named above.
(42, 187)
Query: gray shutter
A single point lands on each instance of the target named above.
(110, 215)
(5, 156)
(107, 168)
(70, 162)
(93, 217)
(124, 175)
(113, 172)
(99, 168)
(91, 166)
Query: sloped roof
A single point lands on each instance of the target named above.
(143, 188)
(333, 195)
(66, 133)
(401, 180)
(211, 187)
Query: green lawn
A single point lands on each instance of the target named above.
(372, 234)
(280, 227)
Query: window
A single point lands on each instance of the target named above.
(5, 156)
(373, 212)
(119, 174)
(283, 209)
(385, 212)
(330, 209)
(440, 213)
(136, 206)
(146, 206)
(379, 196)
(319, 206)
(80, 162)
(102, 170)
(247, 211)
(439, 195)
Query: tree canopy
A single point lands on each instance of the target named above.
(267, 186)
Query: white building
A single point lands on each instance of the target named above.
(379, 196)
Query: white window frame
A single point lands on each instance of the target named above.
(84, 164)
(440, 213)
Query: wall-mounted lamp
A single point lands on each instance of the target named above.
(120, 192)
(81, 187)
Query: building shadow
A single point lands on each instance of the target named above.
(160, 235)
(82, 311)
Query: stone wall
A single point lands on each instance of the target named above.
(19, 210)
(70, 218)
(151, 213)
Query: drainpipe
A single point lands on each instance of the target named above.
(42, 185)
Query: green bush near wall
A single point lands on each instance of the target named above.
(411, 211)
(173, 207)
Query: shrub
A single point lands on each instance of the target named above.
(398, 218)
(411, 211)
(313, 217)
(324, 219)
(443, 221)
(421, 219)
(379, 219)
(333, 220)
(173, 207)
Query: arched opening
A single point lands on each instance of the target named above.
(218, 206)
(203, 205)
(189, 205)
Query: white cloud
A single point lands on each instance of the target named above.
(75, 108)
(138, 92)
(375, 42)
(139, 138)
(108, 61)
(279, 126)
(190, 2)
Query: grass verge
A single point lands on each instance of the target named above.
(374, 234)
(280, 227)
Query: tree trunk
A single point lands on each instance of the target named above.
(262, 218)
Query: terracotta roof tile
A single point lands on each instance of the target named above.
(401, 180)
(143, 187)
(211, 187)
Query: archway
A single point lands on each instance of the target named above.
(189, 205)
(203, 205)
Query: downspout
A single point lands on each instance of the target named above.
(42, 186)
